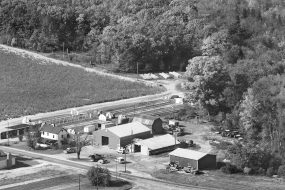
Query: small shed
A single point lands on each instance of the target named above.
(154, 123)
(121, 135)
(102, 117)
(89, 128)
(178, 100)
(195, 159)
(156, 145)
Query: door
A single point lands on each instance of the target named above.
(105, 140)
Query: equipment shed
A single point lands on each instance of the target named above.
(156, 145)
(121, 135)
(195, 159)
(154, 123)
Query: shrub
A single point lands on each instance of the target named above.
(247, 170)
(229, 169)
(281, 171)
(99, 176)
(270, 172)
(20, 138)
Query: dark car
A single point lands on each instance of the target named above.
(96, 157)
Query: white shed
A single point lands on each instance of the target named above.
(102, 117)
(178, 100)
(89, 128)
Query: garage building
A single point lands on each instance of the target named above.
(156, 145)
(195, 159)
(154, 123)
(121, 135)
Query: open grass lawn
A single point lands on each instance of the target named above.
(32, 176)
(219, 180)
(71, 182)
(27, 87)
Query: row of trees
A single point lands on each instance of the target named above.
(239, 76)
(157, 35)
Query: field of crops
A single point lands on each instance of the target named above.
(29, 86)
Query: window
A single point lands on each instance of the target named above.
(52, 136)
(61, 136)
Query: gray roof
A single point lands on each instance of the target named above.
(128, 129)
(51, 128)
(186, 153)
(145, 119)
(159, 142)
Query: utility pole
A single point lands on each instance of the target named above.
(116, 168)
(63, 49)
(8, 132)
(79, 181)
(97, 177)
(137, 71)
(125, 160)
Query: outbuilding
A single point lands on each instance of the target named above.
(121, 135)
(195, 159)
(153, 123)
(156, 145)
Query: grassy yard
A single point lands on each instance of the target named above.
(219, 180)
(29, 86)
(71, 182)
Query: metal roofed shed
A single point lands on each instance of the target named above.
(121, 135)
(195, 159)
(154, 123)
(156, 145)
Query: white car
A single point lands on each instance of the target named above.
(120, 160)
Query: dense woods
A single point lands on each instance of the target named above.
(232, 50)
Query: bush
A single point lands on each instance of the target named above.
(270, 172)
(229, 169)
(281, 171)
(99, 176)
(20, 138)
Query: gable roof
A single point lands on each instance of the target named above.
(145, 119)
(51, 129)
(128, 129)
(159, 142)
(186, 153)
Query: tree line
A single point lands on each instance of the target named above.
(238, 77)
(157, 35)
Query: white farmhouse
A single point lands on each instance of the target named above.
(52, 132)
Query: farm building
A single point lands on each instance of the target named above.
(195, 159)
(154, 123)
(121, 135)
(89, 128)
(52, 132)
(156, 145)
(16, 130)
(102, 117)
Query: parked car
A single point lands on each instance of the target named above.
(69, 150)
(96, 157)
(120, 160)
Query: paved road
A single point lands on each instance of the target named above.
(141, 182)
